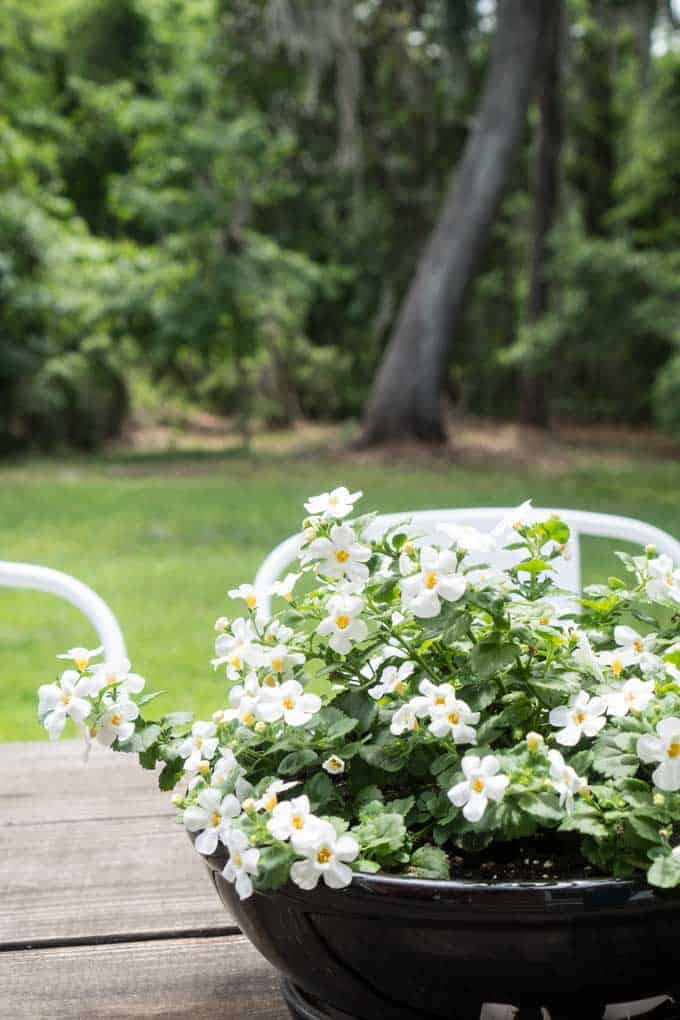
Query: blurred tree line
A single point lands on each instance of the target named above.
(231, 196)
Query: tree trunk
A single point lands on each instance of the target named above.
(533, 409)
(405, 401)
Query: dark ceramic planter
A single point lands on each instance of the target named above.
(410, 949)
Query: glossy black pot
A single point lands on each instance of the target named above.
(410, 949)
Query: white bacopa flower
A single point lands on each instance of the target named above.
(276, 633)
(340, 554)
(290, 702)
(404, 720)
(664, 580)
(238, 649)
(583, 716)
(117, 721)
(634, 696)
(664, 748)
(292, 819)
(565, 781)
(224, 768)
(212, 816)
(242, 864)
(284, 587)
(535, 742)
(467, 538)
(270, 797)
(280, 661)
(517, 518)
(634, 645)
(449, 715)
(437, 579)
(336, 504)
(64, 700)
(81, 657)
(116, 673)
(585, 657)
(247, 592)
(201, 745)
(342, 625)
(482, 783)
(326, 855)
(334, 765)
(392, 680)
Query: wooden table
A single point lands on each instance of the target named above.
(105, 908)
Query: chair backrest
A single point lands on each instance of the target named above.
(25, 575)
(581, 522)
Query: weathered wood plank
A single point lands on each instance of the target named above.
(93, 879)
(200, 978)
(49, 782)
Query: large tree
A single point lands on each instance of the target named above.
(405, 401)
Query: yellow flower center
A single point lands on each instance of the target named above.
(236, 661)
(248, 719)
(440, 699)
(215, 819)
(638, 646)
(298, 822)
(324, 855)
(288, 704)
(269, 681)
(237, 860)
(81, 665)
(198, 743)
(342, 556)
(617, 667)
(453, 718)
(116, 719)
(111, 680)
(674, 748)
(204, 768)
(66, 699)
(477, 785)
(400, 688)
(271, 802)
(342, 621)
(251, 601)
(544, 621)
(579, 718)
(430, 580)
(277, 665)
(629, 697)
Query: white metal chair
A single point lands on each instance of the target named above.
(25, 575)
(581, 522)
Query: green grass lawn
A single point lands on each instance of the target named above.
(162, 538)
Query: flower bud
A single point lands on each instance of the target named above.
(534, 742)
(650, 550)
(586, 793)
(218, 716)
(260, 727)
(659, 800)
(221, 624)
(204, 768)
(177, 799)
(249, 806)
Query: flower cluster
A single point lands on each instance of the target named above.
(407, 700)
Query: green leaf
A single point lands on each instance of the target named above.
(543, 806)
(177, 718)
(141, 739)
(297, 761)
(274, 866)
(402, 805)
(171, 774)
(366, 795)
(366, 866)
(390, 757)
(664, 873)
(322, 793)
(430, 862)
(646, 828)
(532, 566)
(492, 656)
(585, 820)
(149, 696)
(359, 706)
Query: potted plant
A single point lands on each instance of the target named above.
(432, 784)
